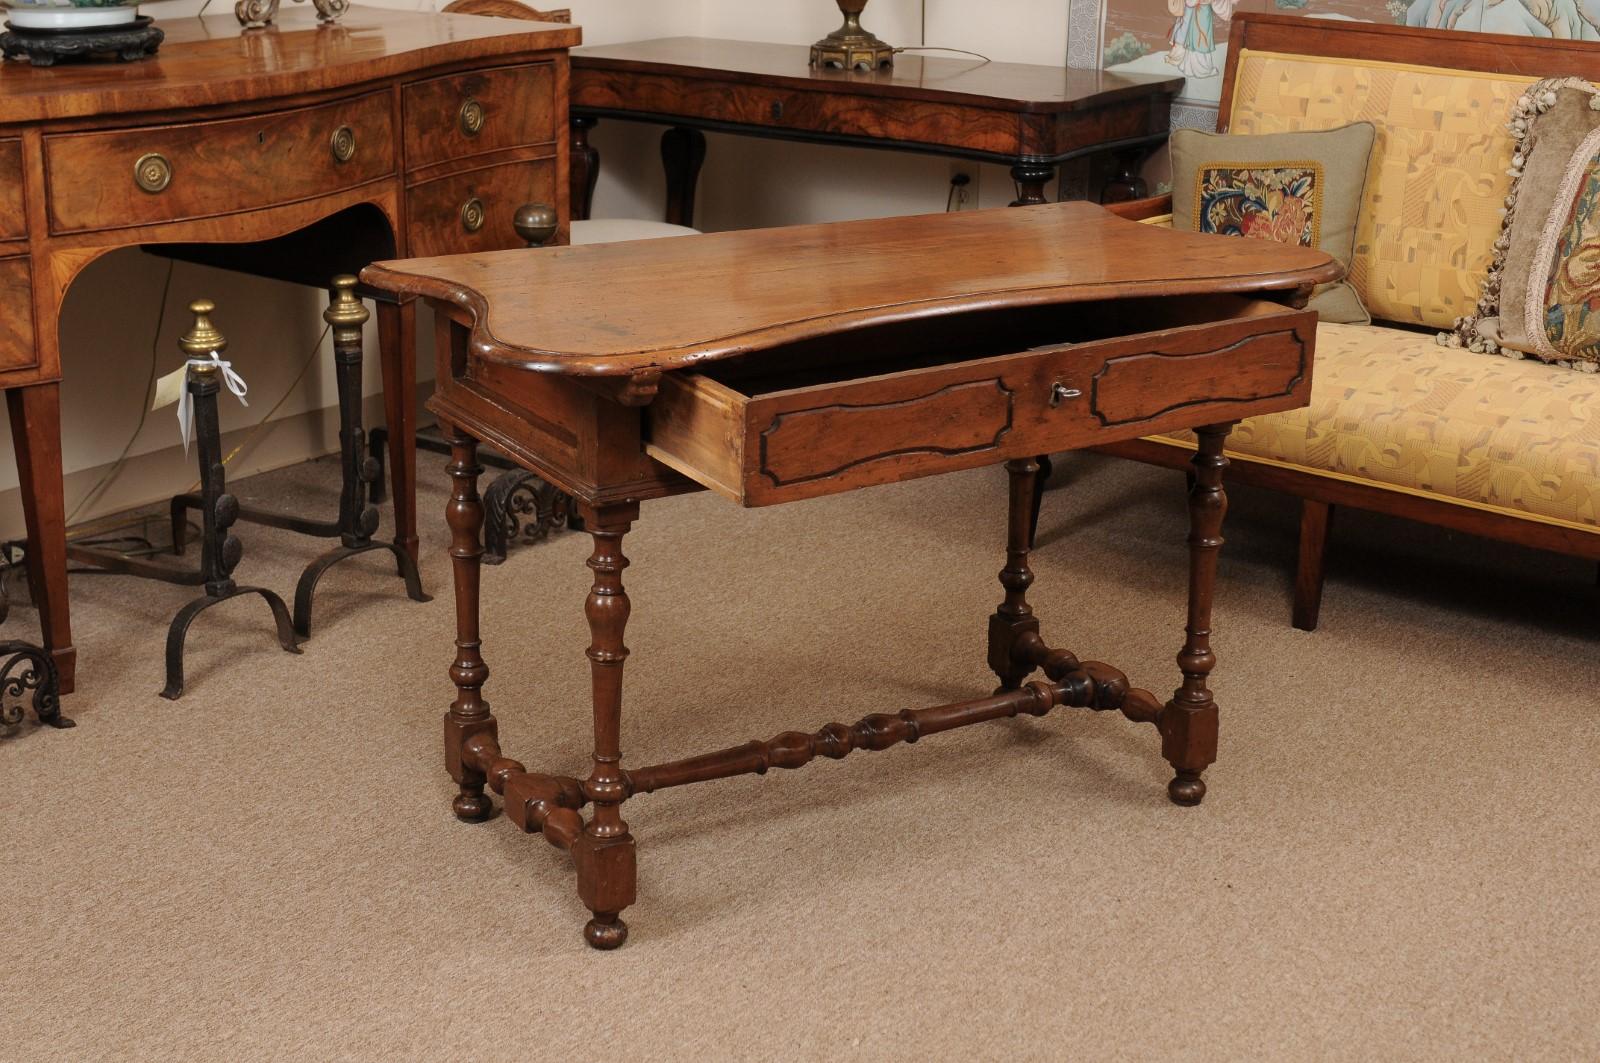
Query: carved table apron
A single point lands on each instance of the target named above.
(783, 364)
(298, 151)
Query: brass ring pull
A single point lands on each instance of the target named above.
(152, 172)
(343, 144)
(1059, 392)
(472, 214)
(471, 118)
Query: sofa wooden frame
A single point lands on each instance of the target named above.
(1320, 492)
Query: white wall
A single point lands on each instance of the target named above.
(109, 334)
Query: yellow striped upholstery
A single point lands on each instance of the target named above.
(1394, 408)
(1437, 180)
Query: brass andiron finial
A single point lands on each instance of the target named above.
(202, 337)
(346, 314)
(535, 223)
(850, 47)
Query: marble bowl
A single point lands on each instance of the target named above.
(69, 14)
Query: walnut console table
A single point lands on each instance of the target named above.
(784, 364)
(297, 151)
(1030, 118)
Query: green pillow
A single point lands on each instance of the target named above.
(1295, 188)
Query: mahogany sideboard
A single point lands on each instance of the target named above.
(783, 364)
(1030, 118)
(298, 151)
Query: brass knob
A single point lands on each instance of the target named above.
(345, 312)
(471, 118)
(152, 172)
(536, 223)
(343, 144)
(472, 214)
(202, 337)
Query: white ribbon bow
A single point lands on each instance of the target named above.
(235, 384)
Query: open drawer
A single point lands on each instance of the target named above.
(896, 401)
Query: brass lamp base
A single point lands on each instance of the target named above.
(852, 48)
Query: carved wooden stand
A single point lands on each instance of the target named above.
(602, 848)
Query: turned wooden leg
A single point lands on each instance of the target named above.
(1124, 183)
(1014, 618)
(1031, 179)
(36, 436)
(585, 167)
(683, 152)
(1043, 477)
(604, 853)
(397, 353)
(469, 713)
(1189, 721)
(1311, 563)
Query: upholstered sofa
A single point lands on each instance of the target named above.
(1399, 422)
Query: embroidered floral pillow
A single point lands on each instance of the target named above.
(1295, 188)
(1542, 295)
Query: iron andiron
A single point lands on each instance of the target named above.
(220, 549)
(360, 473)
(1021, 333)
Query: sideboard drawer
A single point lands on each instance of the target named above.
(16, 316)
(917, 403)
(970, 127)
(13, 217)
(469, 114)
(172, 173)
(473, 211)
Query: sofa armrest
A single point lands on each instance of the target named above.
(1140, 209)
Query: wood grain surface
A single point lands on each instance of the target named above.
(213, 61)
(622, 309)
(517, 105)
(222, 167)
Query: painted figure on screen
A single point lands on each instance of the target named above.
(1194, 35)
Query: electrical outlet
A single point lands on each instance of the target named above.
(963, 187)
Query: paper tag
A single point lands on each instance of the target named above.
(169, 389)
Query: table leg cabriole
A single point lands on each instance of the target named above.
(603, 850)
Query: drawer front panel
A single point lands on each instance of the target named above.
(1133, 388)
(16, 316)
(814, 112)
(13, 216)
(768, 448)
(473, 211)
(469, 114)
(825, 441)
(173, 173)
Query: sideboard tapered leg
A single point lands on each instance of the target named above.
(1189, 721)
(1014, 618)
(469, 714)
(605, 852)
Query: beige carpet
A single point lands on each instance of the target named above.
(1397, 860)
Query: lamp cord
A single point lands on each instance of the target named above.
(936, 48)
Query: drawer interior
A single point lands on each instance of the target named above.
(927, 343)
(910, 398)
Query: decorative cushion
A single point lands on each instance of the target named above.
(1295, 188)
(1395, 408)
(1543, 287)
(1437, 180)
